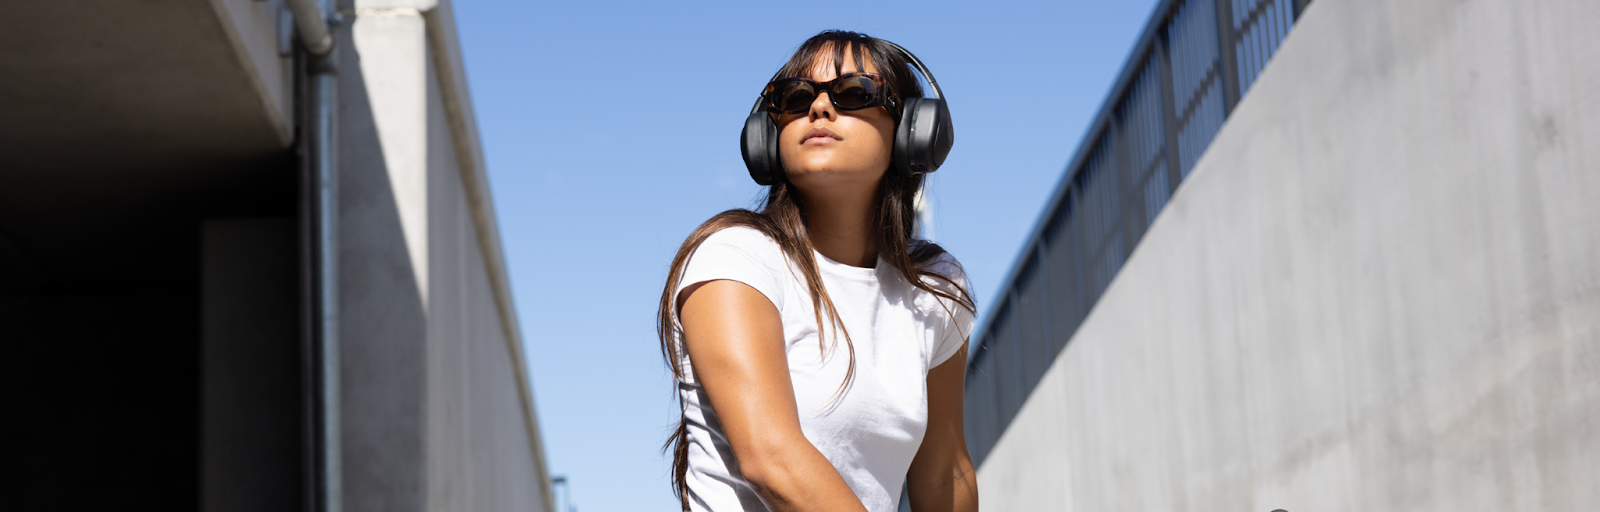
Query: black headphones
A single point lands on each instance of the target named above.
(922, 138)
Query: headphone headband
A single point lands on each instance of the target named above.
(915, 62)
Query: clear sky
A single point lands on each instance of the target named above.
(611, 131)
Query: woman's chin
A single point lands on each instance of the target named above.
(830, 177)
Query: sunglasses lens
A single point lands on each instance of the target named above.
(792, 96)
(850, 93)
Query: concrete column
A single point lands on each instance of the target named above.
(383, 261)
(435, 411)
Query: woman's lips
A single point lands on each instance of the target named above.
(820, 136)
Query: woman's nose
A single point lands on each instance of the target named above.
(822, 107)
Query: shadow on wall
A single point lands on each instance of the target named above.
(383, 323)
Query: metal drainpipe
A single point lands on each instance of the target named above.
(314, 21)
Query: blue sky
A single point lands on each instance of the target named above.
(611, 131)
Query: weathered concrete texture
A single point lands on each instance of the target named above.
(1379, 290)
(436, 417)
(383, 327)
(480, 453)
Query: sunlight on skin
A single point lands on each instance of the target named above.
(836, 160)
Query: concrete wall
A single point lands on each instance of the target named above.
(437, 410)
(1379, 289)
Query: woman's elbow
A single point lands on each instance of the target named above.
(771, 470)
(758, 475)
(764, 471)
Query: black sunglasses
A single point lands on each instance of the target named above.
(851, 91)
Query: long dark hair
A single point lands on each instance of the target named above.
(782, 218)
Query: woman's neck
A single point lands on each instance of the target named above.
(841, 227)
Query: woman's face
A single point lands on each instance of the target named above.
(825, 149)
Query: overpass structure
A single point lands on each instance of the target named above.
(1191, 65)
(1363, 276)
(248, 261)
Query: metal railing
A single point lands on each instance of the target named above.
(1189, 68)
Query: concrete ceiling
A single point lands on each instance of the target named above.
(101, 99)
(125, 122)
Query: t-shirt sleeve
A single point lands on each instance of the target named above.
(957, 324)
(737, 254)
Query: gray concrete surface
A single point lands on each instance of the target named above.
(438, 415)
(257, 39)
(1379, 289)
(167, 86)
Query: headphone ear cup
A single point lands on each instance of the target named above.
(901, 159)
(924, 137)
(759, 145)
(943, 138)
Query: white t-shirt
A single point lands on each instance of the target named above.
(873, 430)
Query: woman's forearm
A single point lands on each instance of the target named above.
(957, 492)
(792, 476)
(941, 478)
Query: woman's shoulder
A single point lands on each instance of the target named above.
(738, 253)
(740, 236)
(944, 263)
(744, 242)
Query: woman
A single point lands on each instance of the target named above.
(819, 350)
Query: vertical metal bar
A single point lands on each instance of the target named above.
(1285, 21)
(323, 90)
(1268, 21)
(1227, 56)
(1169, 113)
(1249, 42)
(322, 138)
(994, 428)
(309, 369)
(1280, 23)
(1123, 170)
(1012, 314)
(1075, 233)
(1041, 271)
(328, 291)
(561, 481)
(1261, 32)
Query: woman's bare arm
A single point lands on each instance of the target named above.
(941, 478)
(735, 342)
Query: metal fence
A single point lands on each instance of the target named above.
(1194, 61)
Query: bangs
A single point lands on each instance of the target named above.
(819, 54)
(828, 49)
